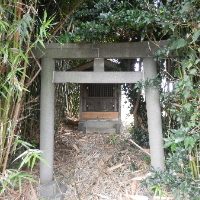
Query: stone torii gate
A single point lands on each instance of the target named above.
(98, 52)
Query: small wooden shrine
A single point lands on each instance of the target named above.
(99, 102)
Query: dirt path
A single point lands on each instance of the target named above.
(99, 166)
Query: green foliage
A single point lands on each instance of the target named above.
(29, 157)
(184, 137)
(179, 20)
(182, 186)
(46, 24)
(110, 21)
(140, 136)
(157, 190)
(13, 179)
(148, 83)
(112, 138)
(138, 130)
(18, 25)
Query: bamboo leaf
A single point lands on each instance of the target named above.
(24, 161)
(20, 156)
(14, 180)
(33, 162)
(13, 175)
(45, 16)
(3, 95)
(41, 159)
(24, 57)
(31, 179)
(5, 183)
(20, 184)
(3, 25)
(41, 42)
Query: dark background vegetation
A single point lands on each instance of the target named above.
(25, 23)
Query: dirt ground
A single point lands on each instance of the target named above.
(93, 167)
(99, 166)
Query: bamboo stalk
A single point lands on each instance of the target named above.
(197, 160)
(11, 107)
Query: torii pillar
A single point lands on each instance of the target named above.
(154, 116)
(47, 119)
(50, 188)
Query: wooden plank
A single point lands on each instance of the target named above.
(105, 115)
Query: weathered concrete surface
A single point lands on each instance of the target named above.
(97, 77)
(154, 117)
(47, 119)
(125, 50)
(53, 190)
(100, 126)
(98, 64)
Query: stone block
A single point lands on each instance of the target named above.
(100, 126)
(53, 190)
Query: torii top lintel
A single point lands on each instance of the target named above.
(124, 50)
